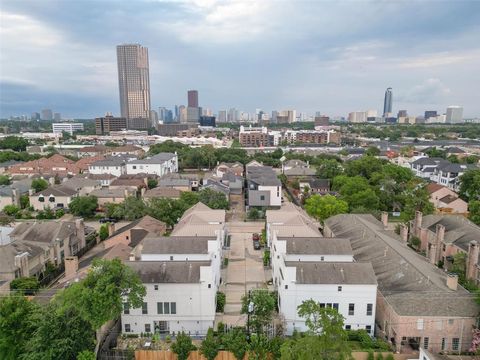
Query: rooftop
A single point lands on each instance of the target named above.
(155, 159)
(176, 245)
(171, 272)
(317, 245)
(263, 175)
(200, 220)
(166, 192)
(292, 221)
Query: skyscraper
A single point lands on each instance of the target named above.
(47, 114)
(193, 98)
(133, 81)
(387, 102)
(454, 114)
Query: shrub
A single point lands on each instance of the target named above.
(26, 285)
(266, 258)
(220, 327)
(221, 300)
(371, 355)
(390, 357)
(379, 356)
(183, 346)
(103, 232)
(415, 242)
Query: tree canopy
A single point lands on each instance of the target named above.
(322, 207)
(39, 184)
(83, 206)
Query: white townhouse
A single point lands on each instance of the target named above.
(160, 165)
(264, 188)
(114, 165)
(181, 273)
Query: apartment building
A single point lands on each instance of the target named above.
(104, 125)
(159, 165)
(263, 187)
(68, 127)
(254, 137)
(418, 305)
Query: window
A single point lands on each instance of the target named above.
(127, 328)
(322, 258)
(173, 308)
(450, 321)
(155, 287)
(144, 308)
(126, 308)
(425, 342)
(209, 286)
(351, 309)
(262, 197)
(148, 328)
(286, 287)
(166, 308)
(159, 308)
(348, 327)
(51, 199)
(339, 288)
(455, 344)
(171, 258)
(368, 328)
(420, 324)
(41, 198)
(335, 306)
(444, 343)
(369, 309)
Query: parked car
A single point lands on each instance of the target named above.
(107, 220)
(255, 236)
(256, 244)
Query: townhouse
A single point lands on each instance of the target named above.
(115, 165)
(446, 200)
(159, 165)
(53, 197)
(418, 305)
(264, 189)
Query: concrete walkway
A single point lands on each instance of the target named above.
(244, 271)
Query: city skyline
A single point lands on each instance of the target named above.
(240, 55)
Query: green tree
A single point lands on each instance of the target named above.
(221, 300)
(86, 355)
(25, 285)
(134, 208)
(39, 184)
(435, 153)
(329, 168)
(235, 341)
(325, 339)
(61, 334)
(84, 206)
(370, 355)
(4, 180)
(14, 143)
(100, 296)
(103, 232)
(263, 308)
(210, 346)
(11, 210)
(213, 199)
(470, 185)
(259, 347)
(18, 321)
(152, 183)
(372, 151)
(253, 214)
(322, 207)
(24, 201)
(364, 167)
(183, 346)
(167, 210)
(459, 266)
(474, 211)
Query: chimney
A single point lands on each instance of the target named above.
(439, 237)
(71, 266)
(432, 253)
(404, 232)
(80, 226)
(472, 259)
(452, 281)
(111, 228)
(16, 197)
(418, 221)
(384, 219)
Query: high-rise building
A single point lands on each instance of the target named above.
(402, 113)
(103, 125)
(47, 114)
(321, 120)
(57, 117)
(154, 117)
(35, 116)
(193, 98)
(387, 102)
(207, 120)
(222, 116)
(454, 114)
(357, 117)
(182, 114)
(133, 81)
(430, 113)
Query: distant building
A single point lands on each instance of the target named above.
(193, 115)
(454, 114)
(67, 127)
(57, 117)
(139, 123)
(402, 113)
(104, 125)
(321, 120)
(253, 137)
(222, 116)
(430, 114)
(47, 115)
(133, 81)
(207, 121)
(192, 98)
(171, 129)
(357, 117)
(387, 102)
(35, 116)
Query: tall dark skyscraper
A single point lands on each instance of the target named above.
(193, 98)
(387, 102)
(133, 81)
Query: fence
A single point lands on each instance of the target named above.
(168, 355)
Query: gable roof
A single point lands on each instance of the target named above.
(317, 245)
(200, 220)
(292, 221)
(153, 244)
(166, 192)
(147, 223)
(170, 272)
(433, 187)
(155, 159)
(57, 190)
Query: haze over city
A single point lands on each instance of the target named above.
(310, 56)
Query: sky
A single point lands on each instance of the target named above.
(327, 56)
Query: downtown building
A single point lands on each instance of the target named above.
(134, 85)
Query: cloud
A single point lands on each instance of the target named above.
(431, 91)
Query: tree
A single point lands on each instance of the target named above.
(474, 211)
(210, 346)
(372, 151)
(6, 220)
(322, 207)
(459, 266)
(263, 308)
(183, 346)
(325, 338)
(259, 347)
(470, 185)
(213, 199)
(39, 184)
(61, 334)
(221, 300)
(18, 321)
(253, 214)
(86, 355)
(24, 201)
(133, 208)
(235, 341)
(103, 232)
(328, 169)
(25, 285)
(167, 210)
(11, 210)
(152, 183)
(14, 143)
(4, 180)
(364, 167)
(100, 296)
(84, 206)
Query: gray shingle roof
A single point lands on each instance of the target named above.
(263, 175)
(57, 190)
(155, 159)
(176, 245)
(170, 272)
(317, 245)
(348, 273)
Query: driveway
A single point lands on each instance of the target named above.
(237, 208)
(244, 271)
